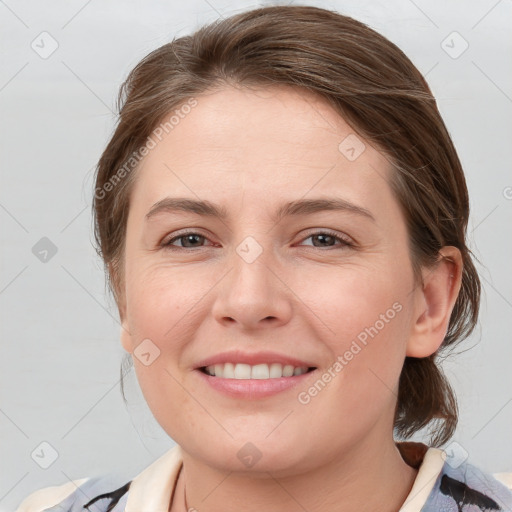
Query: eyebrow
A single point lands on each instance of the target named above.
(292, 208)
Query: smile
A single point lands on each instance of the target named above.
(258, 371)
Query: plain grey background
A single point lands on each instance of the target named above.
(60, 349)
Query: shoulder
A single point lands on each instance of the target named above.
(107, 492)
(48, 496)
(504, 478)
(150, 490)
(461, 483)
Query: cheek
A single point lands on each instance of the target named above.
(162, 302)
(367, 313)
(161, 311)
(171, 404)
(350, 302)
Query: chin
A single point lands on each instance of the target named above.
(254, 452)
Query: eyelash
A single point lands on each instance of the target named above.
(344, 242)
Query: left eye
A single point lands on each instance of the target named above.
(327, 236)
(192, 238)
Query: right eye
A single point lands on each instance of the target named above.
(190, 240)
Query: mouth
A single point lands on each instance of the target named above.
(241, 371)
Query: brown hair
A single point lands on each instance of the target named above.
(375, 88)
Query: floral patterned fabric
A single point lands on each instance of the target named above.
(459, 487)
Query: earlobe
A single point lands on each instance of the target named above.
(435, 302)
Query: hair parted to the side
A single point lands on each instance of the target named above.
(379, 93)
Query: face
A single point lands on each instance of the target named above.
(324, 288)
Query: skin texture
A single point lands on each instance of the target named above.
(250, 151)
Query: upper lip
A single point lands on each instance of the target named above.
(237, 356)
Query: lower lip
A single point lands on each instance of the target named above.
(253, 388)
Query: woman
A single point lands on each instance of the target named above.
(282, 216)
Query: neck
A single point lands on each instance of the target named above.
(367, 478)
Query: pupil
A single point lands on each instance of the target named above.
(323, 237)
(190, 238)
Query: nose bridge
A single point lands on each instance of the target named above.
(252, 261)
(252, 290)
(253, 245)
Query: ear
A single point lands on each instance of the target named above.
(435, 299)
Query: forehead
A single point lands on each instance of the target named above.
(270, 141)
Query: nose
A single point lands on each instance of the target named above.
(253, 294)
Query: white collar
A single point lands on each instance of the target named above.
(431, 466)
(154, 487)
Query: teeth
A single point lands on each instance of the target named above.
(258, 371)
